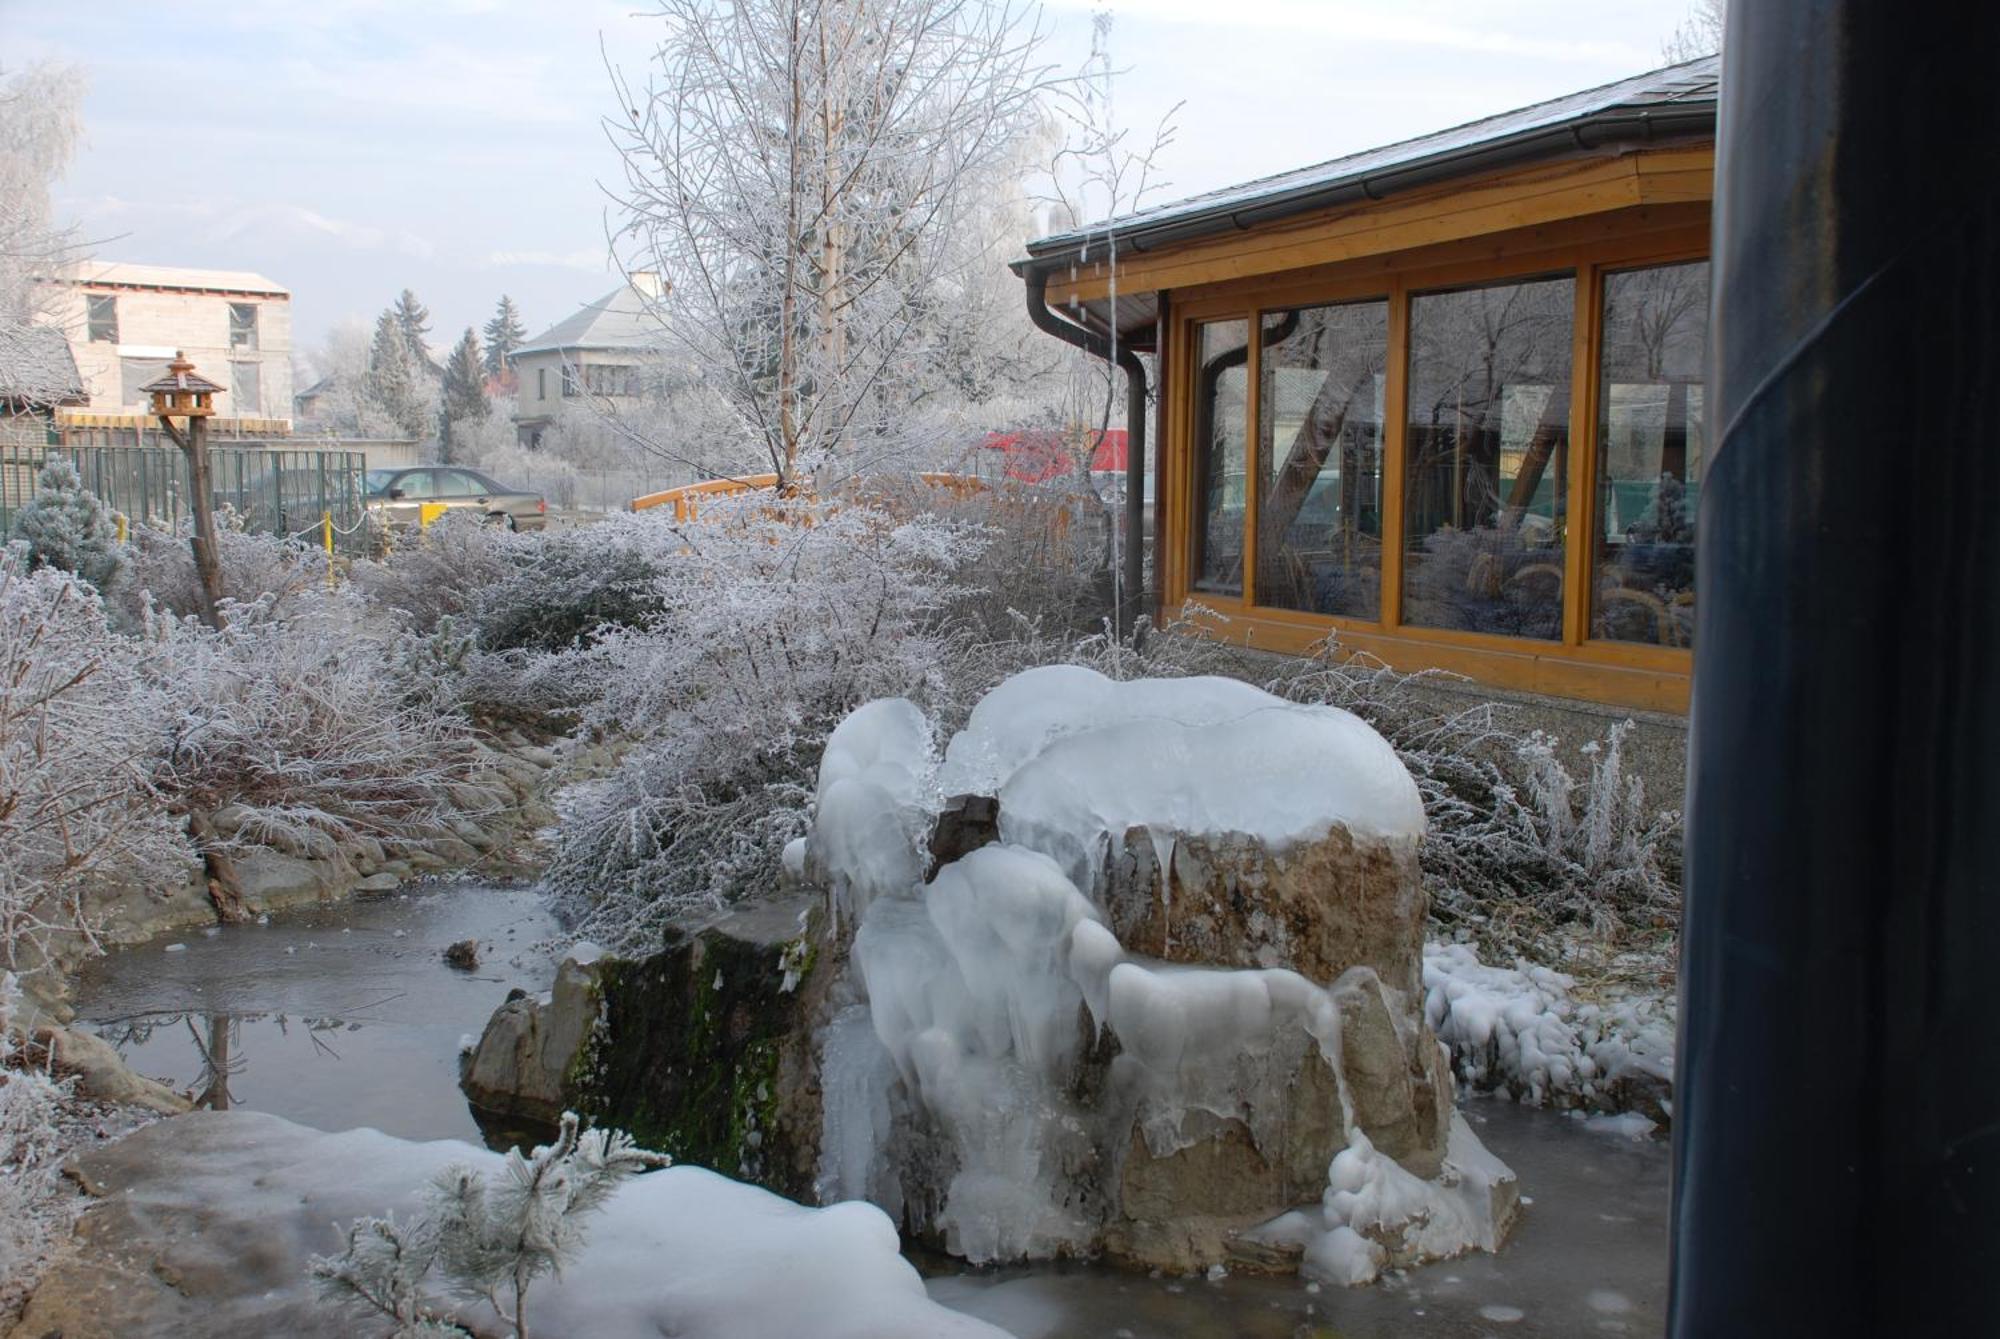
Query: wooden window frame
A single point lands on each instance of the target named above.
(1574, 665)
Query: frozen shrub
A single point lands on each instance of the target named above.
(441, 571)
(486, 1239)
(1515, 845)
(775, 617)
(301, 721)
(66, 526)
(80, 728)
(283, 573)
(34, 1206)
(572, 584)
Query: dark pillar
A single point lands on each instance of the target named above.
(1837, 1124)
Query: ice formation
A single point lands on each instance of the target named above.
(1521, 1029)
(1013, 1054)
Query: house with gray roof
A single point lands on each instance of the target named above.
(598, 355)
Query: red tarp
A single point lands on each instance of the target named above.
(1040, 455)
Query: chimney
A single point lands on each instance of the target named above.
(648, 283)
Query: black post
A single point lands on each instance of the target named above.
(1837, 1122)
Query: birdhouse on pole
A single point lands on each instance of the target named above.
(182, 392)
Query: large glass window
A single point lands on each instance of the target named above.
(1650, 440)
(1222, 378)
(1485, 506)
(1319, 451)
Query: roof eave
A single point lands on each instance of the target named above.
(1625, 127)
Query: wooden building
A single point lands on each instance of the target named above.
(1443, 398)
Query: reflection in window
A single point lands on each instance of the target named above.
(1650, 437)
(1222, 349)
(242, 325)
(1485, 503)
(103, 317)
(1319, 448)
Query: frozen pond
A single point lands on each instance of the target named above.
(1588, 1258)
(334, 1017)
(348, 1016)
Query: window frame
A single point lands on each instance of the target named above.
(95, 325)
(244, 334)
(1496, 258)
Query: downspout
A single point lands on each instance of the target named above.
(1135, 438)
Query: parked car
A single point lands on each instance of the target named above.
(399, 496)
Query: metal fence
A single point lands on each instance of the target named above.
(269, 491)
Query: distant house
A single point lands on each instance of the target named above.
(37, 377)
(599, 353)
(125, 322)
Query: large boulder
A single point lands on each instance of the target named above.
(1140, 982)
(702, 1050)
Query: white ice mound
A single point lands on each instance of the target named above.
(1074, 757)
(872, 810)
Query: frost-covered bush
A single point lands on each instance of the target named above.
(80, 727)
(66, 526)
(775, 618)
(485, 1240)
(442, 571)
(1515, 844)
(34, 1207)
(296, 714)
(569, 585)
(283, 573)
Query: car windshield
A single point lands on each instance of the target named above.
(377, 481)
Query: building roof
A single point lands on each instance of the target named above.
(117, 274)
(618, 320)
(1678, 101)
(36, 367)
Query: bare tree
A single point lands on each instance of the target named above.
(1699, 34)
(802, 171)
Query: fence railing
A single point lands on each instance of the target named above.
(269, 491)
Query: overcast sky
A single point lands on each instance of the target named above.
(350, 148)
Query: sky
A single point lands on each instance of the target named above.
(349, 149)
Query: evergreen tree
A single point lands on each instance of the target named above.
(67, 526)
(414, 320)
(391, 384)
(464, 392)
(504, 334)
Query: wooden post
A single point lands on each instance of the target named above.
(207, 563)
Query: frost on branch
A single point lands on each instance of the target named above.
(486, 1238)
(34, 1207)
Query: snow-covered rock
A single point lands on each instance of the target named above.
(203, 1225)
(1150, 1002)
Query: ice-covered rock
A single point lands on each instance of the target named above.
(1148, 1003)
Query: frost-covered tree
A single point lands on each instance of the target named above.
(462, 396)
(34, 1207)
(391, 383)
(413, 319)
(39, 125)
(504, 334)
(487, 1239)
(67, 526)
(806, 172)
